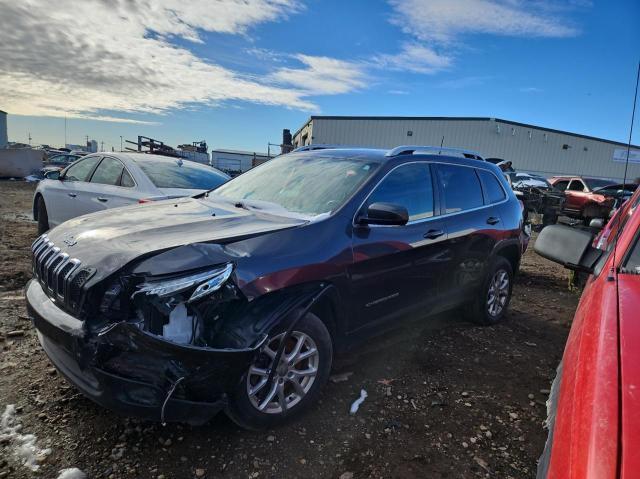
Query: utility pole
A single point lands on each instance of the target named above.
(29, 138)
(65, 130)
(120, 142)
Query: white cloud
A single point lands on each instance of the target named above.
(531, 89)
(81, 58)
(322, 75)
(443, 20)
(415, 58)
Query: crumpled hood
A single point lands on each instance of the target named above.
(110, 239)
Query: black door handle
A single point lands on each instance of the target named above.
(73, 195)
(492, 220)
(433, 234)
(103, 200)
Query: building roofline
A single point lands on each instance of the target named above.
(238, 152)
(463, 118)
(2, 111)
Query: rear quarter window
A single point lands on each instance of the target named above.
(493, 190)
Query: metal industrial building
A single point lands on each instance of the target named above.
(235, 162)
(531, 148)
(3, 129)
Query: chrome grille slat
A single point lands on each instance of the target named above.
(55, 270)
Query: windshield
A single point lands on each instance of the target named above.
(594, 183)
(180, 174)
(306, 184)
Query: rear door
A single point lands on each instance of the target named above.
(473, 224)
(61, 196)
(111, 186)
(397, 269)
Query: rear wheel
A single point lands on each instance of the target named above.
(43, 217)
(491, 305)
(303, 369)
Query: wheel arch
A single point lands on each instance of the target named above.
(511, 251)
(37, 196)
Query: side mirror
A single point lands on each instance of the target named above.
(388, 214)
(597, 223)
(52, 175)
(571, 247)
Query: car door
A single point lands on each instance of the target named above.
(473, 225)
(61, 196)
(398, 268)
(576, 195)
(106, 190)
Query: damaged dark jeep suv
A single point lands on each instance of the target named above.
(237, 299)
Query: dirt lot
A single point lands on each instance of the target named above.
(447, 399)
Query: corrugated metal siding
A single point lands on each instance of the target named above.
(530, 149)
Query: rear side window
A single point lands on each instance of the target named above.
(80, 171)
(409, 186)
(108, 172)
(492, 188)
(576, 185)
(126, 180)
(461, 188)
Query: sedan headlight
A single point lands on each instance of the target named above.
(205, 283)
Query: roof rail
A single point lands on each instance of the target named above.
(434, 150)
(317, 147)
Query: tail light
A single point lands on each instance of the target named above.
(145, 200)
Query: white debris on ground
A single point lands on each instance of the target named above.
(24, 445)
(357, 402)
(72, 473)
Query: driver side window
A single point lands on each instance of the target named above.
(409, 186)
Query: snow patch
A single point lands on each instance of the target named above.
(24, 445)
(72, 473)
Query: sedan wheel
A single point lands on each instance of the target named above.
(293, 376)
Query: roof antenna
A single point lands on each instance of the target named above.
(626, 165)
(441, 143)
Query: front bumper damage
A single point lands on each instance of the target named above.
(135, 373)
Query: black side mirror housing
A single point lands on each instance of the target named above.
(570, 247)
(388, 214)
(52, 175)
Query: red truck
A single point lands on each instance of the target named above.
(594, 425)
(585, 198)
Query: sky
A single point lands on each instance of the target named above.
(236, 72)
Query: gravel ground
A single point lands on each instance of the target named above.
(446, 398)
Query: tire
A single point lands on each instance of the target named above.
(43, 217)
(483, 312)
(250, 412)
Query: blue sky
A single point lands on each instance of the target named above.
(236, 75)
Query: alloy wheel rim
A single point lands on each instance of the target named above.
(293, 376)
(498, 293)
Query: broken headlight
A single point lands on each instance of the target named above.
(204, 283)
(182, 309)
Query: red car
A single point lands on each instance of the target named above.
(594, 406)
(583, 200)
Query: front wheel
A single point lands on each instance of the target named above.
(303, 369)
(490, 306)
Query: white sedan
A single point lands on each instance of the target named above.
(108, 180)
